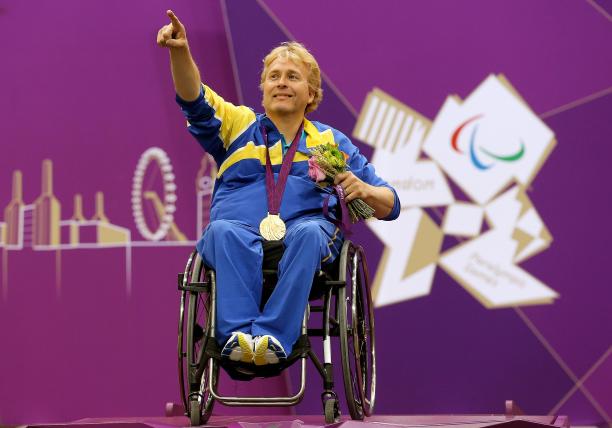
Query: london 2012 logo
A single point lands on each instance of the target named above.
(464, 175)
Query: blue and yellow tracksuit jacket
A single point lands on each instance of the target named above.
(232, 135)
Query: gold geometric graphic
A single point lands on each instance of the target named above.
(428, 241)
(522, 238)
(514, 213)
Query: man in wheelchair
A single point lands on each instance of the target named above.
(263, 192)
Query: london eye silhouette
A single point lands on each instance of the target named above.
(154, 197)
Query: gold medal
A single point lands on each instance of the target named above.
(272, 228)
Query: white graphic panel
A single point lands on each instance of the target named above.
(488, 141)
(419, 184)
(484, 267)
(463, 219)
(385, 123)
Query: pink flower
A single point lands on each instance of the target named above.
(314, 170)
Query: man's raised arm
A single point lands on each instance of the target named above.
(185, 73)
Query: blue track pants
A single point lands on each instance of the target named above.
(234, 250)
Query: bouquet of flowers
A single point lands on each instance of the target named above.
(325, 162)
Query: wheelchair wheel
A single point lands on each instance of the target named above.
(201, 404)
(182, 334)
(331, 410)
(200, 400)
(355, 314)
(193, 334)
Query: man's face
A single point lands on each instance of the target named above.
(285, 88)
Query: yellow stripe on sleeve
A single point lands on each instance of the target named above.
(234, 119)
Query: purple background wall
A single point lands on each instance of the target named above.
(84, 85)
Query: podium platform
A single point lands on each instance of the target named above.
(513, 418)
(317, 421)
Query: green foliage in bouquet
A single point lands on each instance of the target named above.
(326, 162)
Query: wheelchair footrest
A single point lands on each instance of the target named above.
(238, 370)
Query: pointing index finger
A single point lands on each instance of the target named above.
(175, 21)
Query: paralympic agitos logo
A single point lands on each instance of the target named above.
(477, 153)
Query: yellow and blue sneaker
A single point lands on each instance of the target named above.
(268, 350)
(239, 347)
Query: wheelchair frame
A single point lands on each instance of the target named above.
(347, 282)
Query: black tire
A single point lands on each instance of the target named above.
(183, 372)
(344, 316)
(194, 413)
(194, 370)
(197, 330)
(208, 401)
(355, 317)
(332, 413)
(201, 407)
(182, 354)
(366, 337)
(349, 367)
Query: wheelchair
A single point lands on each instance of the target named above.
(340, 292)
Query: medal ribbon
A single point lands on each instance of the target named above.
(275, 190)
(344, 222)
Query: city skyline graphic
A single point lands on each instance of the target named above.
(39, 225)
